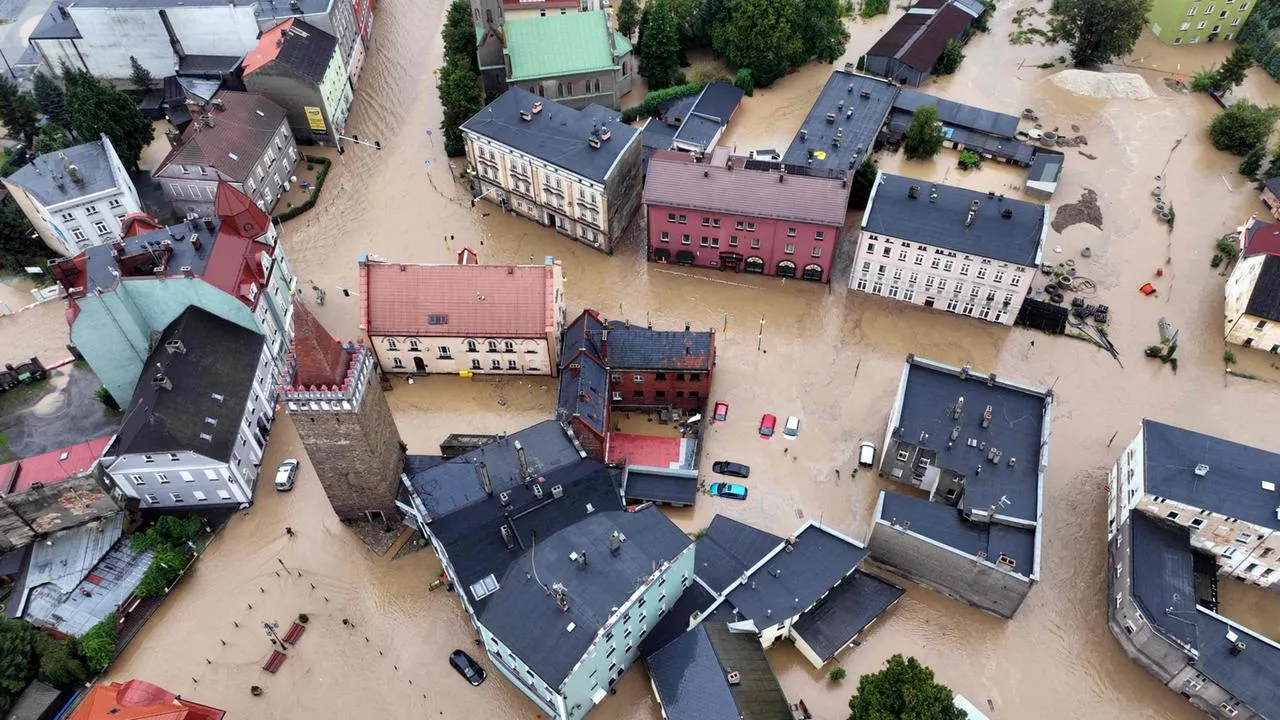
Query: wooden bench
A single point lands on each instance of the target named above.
(295, 632)
(274, 662)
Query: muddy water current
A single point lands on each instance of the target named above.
(827, 355)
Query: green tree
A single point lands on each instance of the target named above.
(97, 108)
(51, 138)
(872, 8)
(1233, 69)
(1243, 126)
(17, 660)
(1097, 30)
(461, 97)
(139, 75)
(18, 111)
(98, 643)
(822, 31)
(761, 35)
(659, 52)
(51, 99)
(924, 135)
(167, 563)
(1253, 161)
(460, 35)
(709, 14)
(1204, 79)
(904, 689)
(628, 17)
(745, 82)
(17, 248)
(59, 661)
(952, 56)
(863, 182)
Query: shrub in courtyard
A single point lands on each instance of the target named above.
(98, 644)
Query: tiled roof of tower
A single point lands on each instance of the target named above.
(242, 130)
(478, 301)
(318, 359)
(238, 210)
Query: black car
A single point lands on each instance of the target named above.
(725, 467)
(467, 667)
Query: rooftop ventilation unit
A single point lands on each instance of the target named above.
(1202, 470)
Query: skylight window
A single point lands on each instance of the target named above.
(484, 587)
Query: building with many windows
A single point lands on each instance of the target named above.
(577, 171)
(658, 369)
(1187, 22)
(75, 198)
(470, 319)
(946, 247)
(1252, 302)
(300, 67)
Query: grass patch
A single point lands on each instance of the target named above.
(872, 8)
(1027, 36)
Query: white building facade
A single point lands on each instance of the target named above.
(1251, 296)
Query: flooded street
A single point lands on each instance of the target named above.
(829, 356)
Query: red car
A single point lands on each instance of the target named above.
(766, 426)
(721, 413)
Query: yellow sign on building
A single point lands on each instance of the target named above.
(315, 117)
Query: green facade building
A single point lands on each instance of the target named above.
(1189, 22)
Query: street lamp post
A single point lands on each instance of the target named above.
(270, 627)
(760, 335)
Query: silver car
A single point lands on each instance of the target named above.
(285, 474)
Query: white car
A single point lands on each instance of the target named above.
(792, 428)
(285, 474)
(867, 454)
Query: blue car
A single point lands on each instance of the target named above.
(729, 490)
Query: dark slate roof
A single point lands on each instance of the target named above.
(632, 347)
(1016, 426)
(1264, 301)
(208, 64)
(55, 25)
(48, 180)
(1162, 575)
(101, 267)
(657, 135)
(846, 611)
(695, 599)
(758, 696)
(841, 94)
(728, 549)
(947, 525)
(690, 677)
(455, 484)
(307, 50)
(941, 223)
(919, 43)
(1274, 186)
(709, 113)
(36, 702)
(958, 114)
(220, 359)
(664, 486)
(1233, 485)
(1253, 676)
(584, 391)
(525, 618)
(791, 582)
(1046, 168)
(557, 135)
(998, 147)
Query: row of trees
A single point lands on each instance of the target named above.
(27, 654)
(170, 542)
(459, 81)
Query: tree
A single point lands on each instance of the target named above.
(1204, 79)
(59, 661)
(822, 31)
(1253, 161)
(51, 138)
(744, 82)
(17, 660)
(139, 75)
(1243, 126)
(628, 17)
(51, 99)
(904, 689)
(18, 111)
(98, 643)
(864, 179)
(461, 97)
(460, 35)
(1097, 30)
(952, 56)
(97, 108)
(659, 51)
(924, 135)
(761, 35)
(17, 248)
(1231, 74)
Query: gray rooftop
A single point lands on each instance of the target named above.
(857, 120)
(709, 113)
(56, 24)
(51, 182)
(694, 599)
(690, 677)
(99, 267)
(941, 222)
(728, 549)
(1253, 676)
(1233, 485)
(1046, 168)
(1017, 423)
(946, 525)
(1004, 148)
(661, 485)
(557, 135)
(65, 559)
(38, 702)
(844, 613)
(92, 599)
(958, 114)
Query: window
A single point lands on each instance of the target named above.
(706, 222)
(444, 353)
(1234, 22)
(199, 495)
(1244, 538)
(705, 241)
(790, 249)
(791, 232)
(92, 210)
(1229, 552)
(1200, 25)
(871, 248)
(475, 364)
(902, 256)
(751, 227)
(1261, 324)
(664, 236)
(397, 363)
(471, 346)
(755, 243)
(685, 240)
(391, 344)
(820, 235)
(982, 273)
(151, 498)
(897, 273)
(733, 241)
(1185, 26)
(1227, 710)
(176, 497)
(508, 346)
(816, 252)
(495, 364)
(964, 268)
(1172, 515)
(919, 259)
(483, 587)
(952, 304)
(1016, 280)
(101, 227)
(946, 266)
(1191, 10)
(913, 278)
(137, 480)
(637, 378)
(617, 396)
(1208, 10)
(1197, 522)
(682, 219)
(413, 346)
(671, 217)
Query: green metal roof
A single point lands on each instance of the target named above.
(557, 45)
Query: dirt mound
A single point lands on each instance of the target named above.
(1084, 211)
(1118, 86)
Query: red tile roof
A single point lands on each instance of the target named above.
(51, 467)
(268, 47)
(647, 450)
(138, 223)
(237, 210)
(318, 359)
(139, 700)
(477, 301)
(1262, 237)
(242, 130)
(234, 263)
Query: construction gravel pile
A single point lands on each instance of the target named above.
(1118, 86)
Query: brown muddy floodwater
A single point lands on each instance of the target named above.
(829, 356)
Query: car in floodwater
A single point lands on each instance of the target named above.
(721, 413)
(285, 474)
(467, 667)
(792, 428)
(728, 490)
(724, 467)
(867, 454)
(767, 423)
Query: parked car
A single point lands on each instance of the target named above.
(765, 154)
(721, 413)
(285, 474)
(792, 428)
(867, 454)
(467, 667)
(729, 490)
(766, 426)
(724, 467)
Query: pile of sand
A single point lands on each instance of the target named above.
(1120, 86)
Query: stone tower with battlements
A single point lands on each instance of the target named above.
(333, 394)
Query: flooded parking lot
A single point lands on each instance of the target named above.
(829, 356)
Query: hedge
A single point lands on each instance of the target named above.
(297, 210)
(98, 644)
(652, 101)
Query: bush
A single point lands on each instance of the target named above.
(1204, 79)
(60, 662)
(165, 568)
(952, 56)
(168, 531)
(104, 396)
(745, 82)
(1242, 127)
(837, 674)
(1229, 357)
(297, 210)
(872, 8)
(969, 160)
(653, 100)
(98, 644)
(1252, 162)
(631, 114)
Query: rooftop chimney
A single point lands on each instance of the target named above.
(520, 458)
(615, 542)
(1006, 213)
(959, 408)
(913, 192)
(537, 107)
(175, 346)
(986, 417)
(160, 380)
(526, 116)
(485, 481)
(933, 193)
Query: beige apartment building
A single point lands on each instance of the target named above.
(949, 248)
(577, 171)
(1252, 302)
(464, 318)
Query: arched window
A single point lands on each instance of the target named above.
(391, 344)
(508, 346)
(493, 346)
(471, 346)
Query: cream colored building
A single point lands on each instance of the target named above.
(949, 248)
(1225, 493)
(577, 171)
(1252, 303)
(466, 318)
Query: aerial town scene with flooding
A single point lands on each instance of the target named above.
(639, 359)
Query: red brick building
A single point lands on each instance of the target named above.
(583, 403)
(744, 215)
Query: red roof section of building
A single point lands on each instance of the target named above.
(647, 450)
(140, 700)
(138, 223)
(237, 210)
(1262, 237)
(318, 359)
(51, 467)
(268, 47)
(476, 301)
(234, 265)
